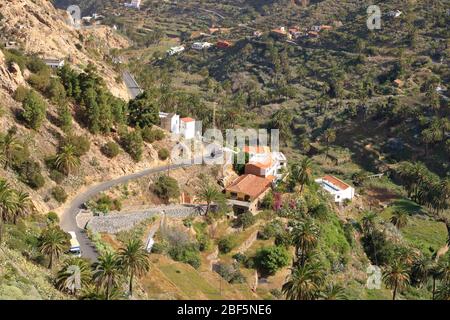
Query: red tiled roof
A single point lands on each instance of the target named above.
(250, 185)
(187, 119)
(335, 181)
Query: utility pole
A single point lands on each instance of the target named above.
(214, 115)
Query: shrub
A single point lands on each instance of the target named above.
(267, 201)
(226, 244)
(57, 176)
(163, 154)
(148, 134)
(52, 218)
(283, 239)
(239, 257)
(40, 81)
(246, 220)
(159, 247)
(30, 173)
(56, 92)
(271, 230)
(35, 64)
(64, 118)
(81, 144)
(21, 93)
(230, 273)
(132, 143)
(187, 253)
(34, 109)
(204, 243)
(111, 149)
(105, 204)
(270, 259)
(59, 194)
(166, 188)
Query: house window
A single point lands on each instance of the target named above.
(233, 195)
(247, 198)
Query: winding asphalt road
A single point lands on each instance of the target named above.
(68, 219)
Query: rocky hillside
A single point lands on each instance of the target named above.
(39, 28)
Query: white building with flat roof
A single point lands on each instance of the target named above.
(174, 50)
(170, 122)
(337, 188)
(136, 4)
(201, 45)
(54, 63)
(187, 128)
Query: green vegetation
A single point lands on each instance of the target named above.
(269, 260)
(34, 109)
(111, 149)
(132, 143)
(163, 154)
(166, 188)
(59, 194)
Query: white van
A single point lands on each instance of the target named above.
(74, 245)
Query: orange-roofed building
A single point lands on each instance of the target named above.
(337, 188)
(281, 33)
(222, 44)
(246, 191)
(267, 164)
(325, 27)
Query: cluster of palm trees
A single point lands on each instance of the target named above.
(14, 204)
(435, 132)
(403, 272)
(307, 280)
(103, 279)
(424, 187)
(407, 266)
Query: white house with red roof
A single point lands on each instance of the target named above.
(264, 163)
(337, 188)
(187, 128)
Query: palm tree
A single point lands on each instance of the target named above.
(396, 276)
(107, 273)
(329, 136)
(443, 292)
(209, 193)
(304, 282)
(399, 218)
(368, 222)
(53, 242)
(67, 160)
(133, 258)
(302, 172)
(333, 292)
(304, 236)
(23, 205)
(75, 275)
(8, 204)
(2, 158)
(9, 144)
(421, 269)
(441, 271)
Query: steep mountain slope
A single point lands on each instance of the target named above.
(39, 28)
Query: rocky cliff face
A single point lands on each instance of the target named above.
(10, 77)
(39, 28)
